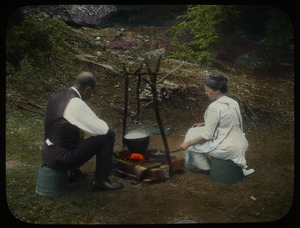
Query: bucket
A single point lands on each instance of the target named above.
(225, 171)
(51, 182)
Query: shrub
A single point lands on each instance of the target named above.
(196, 34)
(36, 40)
(279, 37)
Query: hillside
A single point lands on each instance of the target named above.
(266, 99)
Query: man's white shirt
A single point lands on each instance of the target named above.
(78, 113)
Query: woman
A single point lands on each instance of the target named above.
(221, 135)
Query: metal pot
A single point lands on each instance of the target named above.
(137, 141)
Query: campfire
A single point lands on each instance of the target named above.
(135, 157)
(138, 162)
(149, 167)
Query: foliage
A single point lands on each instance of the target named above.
(196, 34)
(31, 45)
(36, 39)
(207, 30)
(279, 37)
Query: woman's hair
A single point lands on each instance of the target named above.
(216, 82)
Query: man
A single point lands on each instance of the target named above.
(67, 115)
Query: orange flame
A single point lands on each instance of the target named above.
(135, 157)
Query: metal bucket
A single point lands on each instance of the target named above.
(137, 141)
(52, 182)
(225, 171)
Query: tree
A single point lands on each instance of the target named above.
(197, 32)
(205, 29)
(279, 36)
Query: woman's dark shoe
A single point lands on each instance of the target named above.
(201, 171)
(105, 185)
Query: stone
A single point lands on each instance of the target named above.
(156, 174)
(85, 15)
(177, 163)
(99, 53)
(155, 53)
(139, 170)
(165, 171)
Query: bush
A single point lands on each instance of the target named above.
(195, 36)
(35, 41)
(279, 37)
(32, 45)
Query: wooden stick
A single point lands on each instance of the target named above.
(138, 96)
(125, 106)
(188, 100)
(169, 73)
(142, 108)
(30, 103)
(247, 106)
(27, 109)
(153, 77)
(33, 104)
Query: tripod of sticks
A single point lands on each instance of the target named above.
(153, 80)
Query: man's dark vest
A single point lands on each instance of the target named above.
(63, 135)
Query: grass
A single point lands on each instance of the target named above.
(24, 138)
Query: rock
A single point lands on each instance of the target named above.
(127, 35)
(86, 15)
(154, 53)
(99, 53)
(96, 65)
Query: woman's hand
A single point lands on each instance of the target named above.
(198, 124)
(184, 145)
(198, 140)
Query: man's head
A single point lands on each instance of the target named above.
(85, 83)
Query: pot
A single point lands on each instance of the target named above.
(137, 141)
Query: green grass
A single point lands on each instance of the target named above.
(24, 137)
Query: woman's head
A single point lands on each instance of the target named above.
(215, 85)
(216, 82)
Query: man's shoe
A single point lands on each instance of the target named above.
(105, 185)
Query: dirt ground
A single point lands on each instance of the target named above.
(267, 103)
(264, 196)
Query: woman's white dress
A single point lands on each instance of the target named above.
(224, 131)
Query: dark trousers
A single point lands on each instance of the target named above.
(102, 147)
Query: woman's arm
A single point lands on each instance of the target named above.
(198, 140)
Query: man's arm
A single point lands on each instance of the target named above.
(81, 115)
